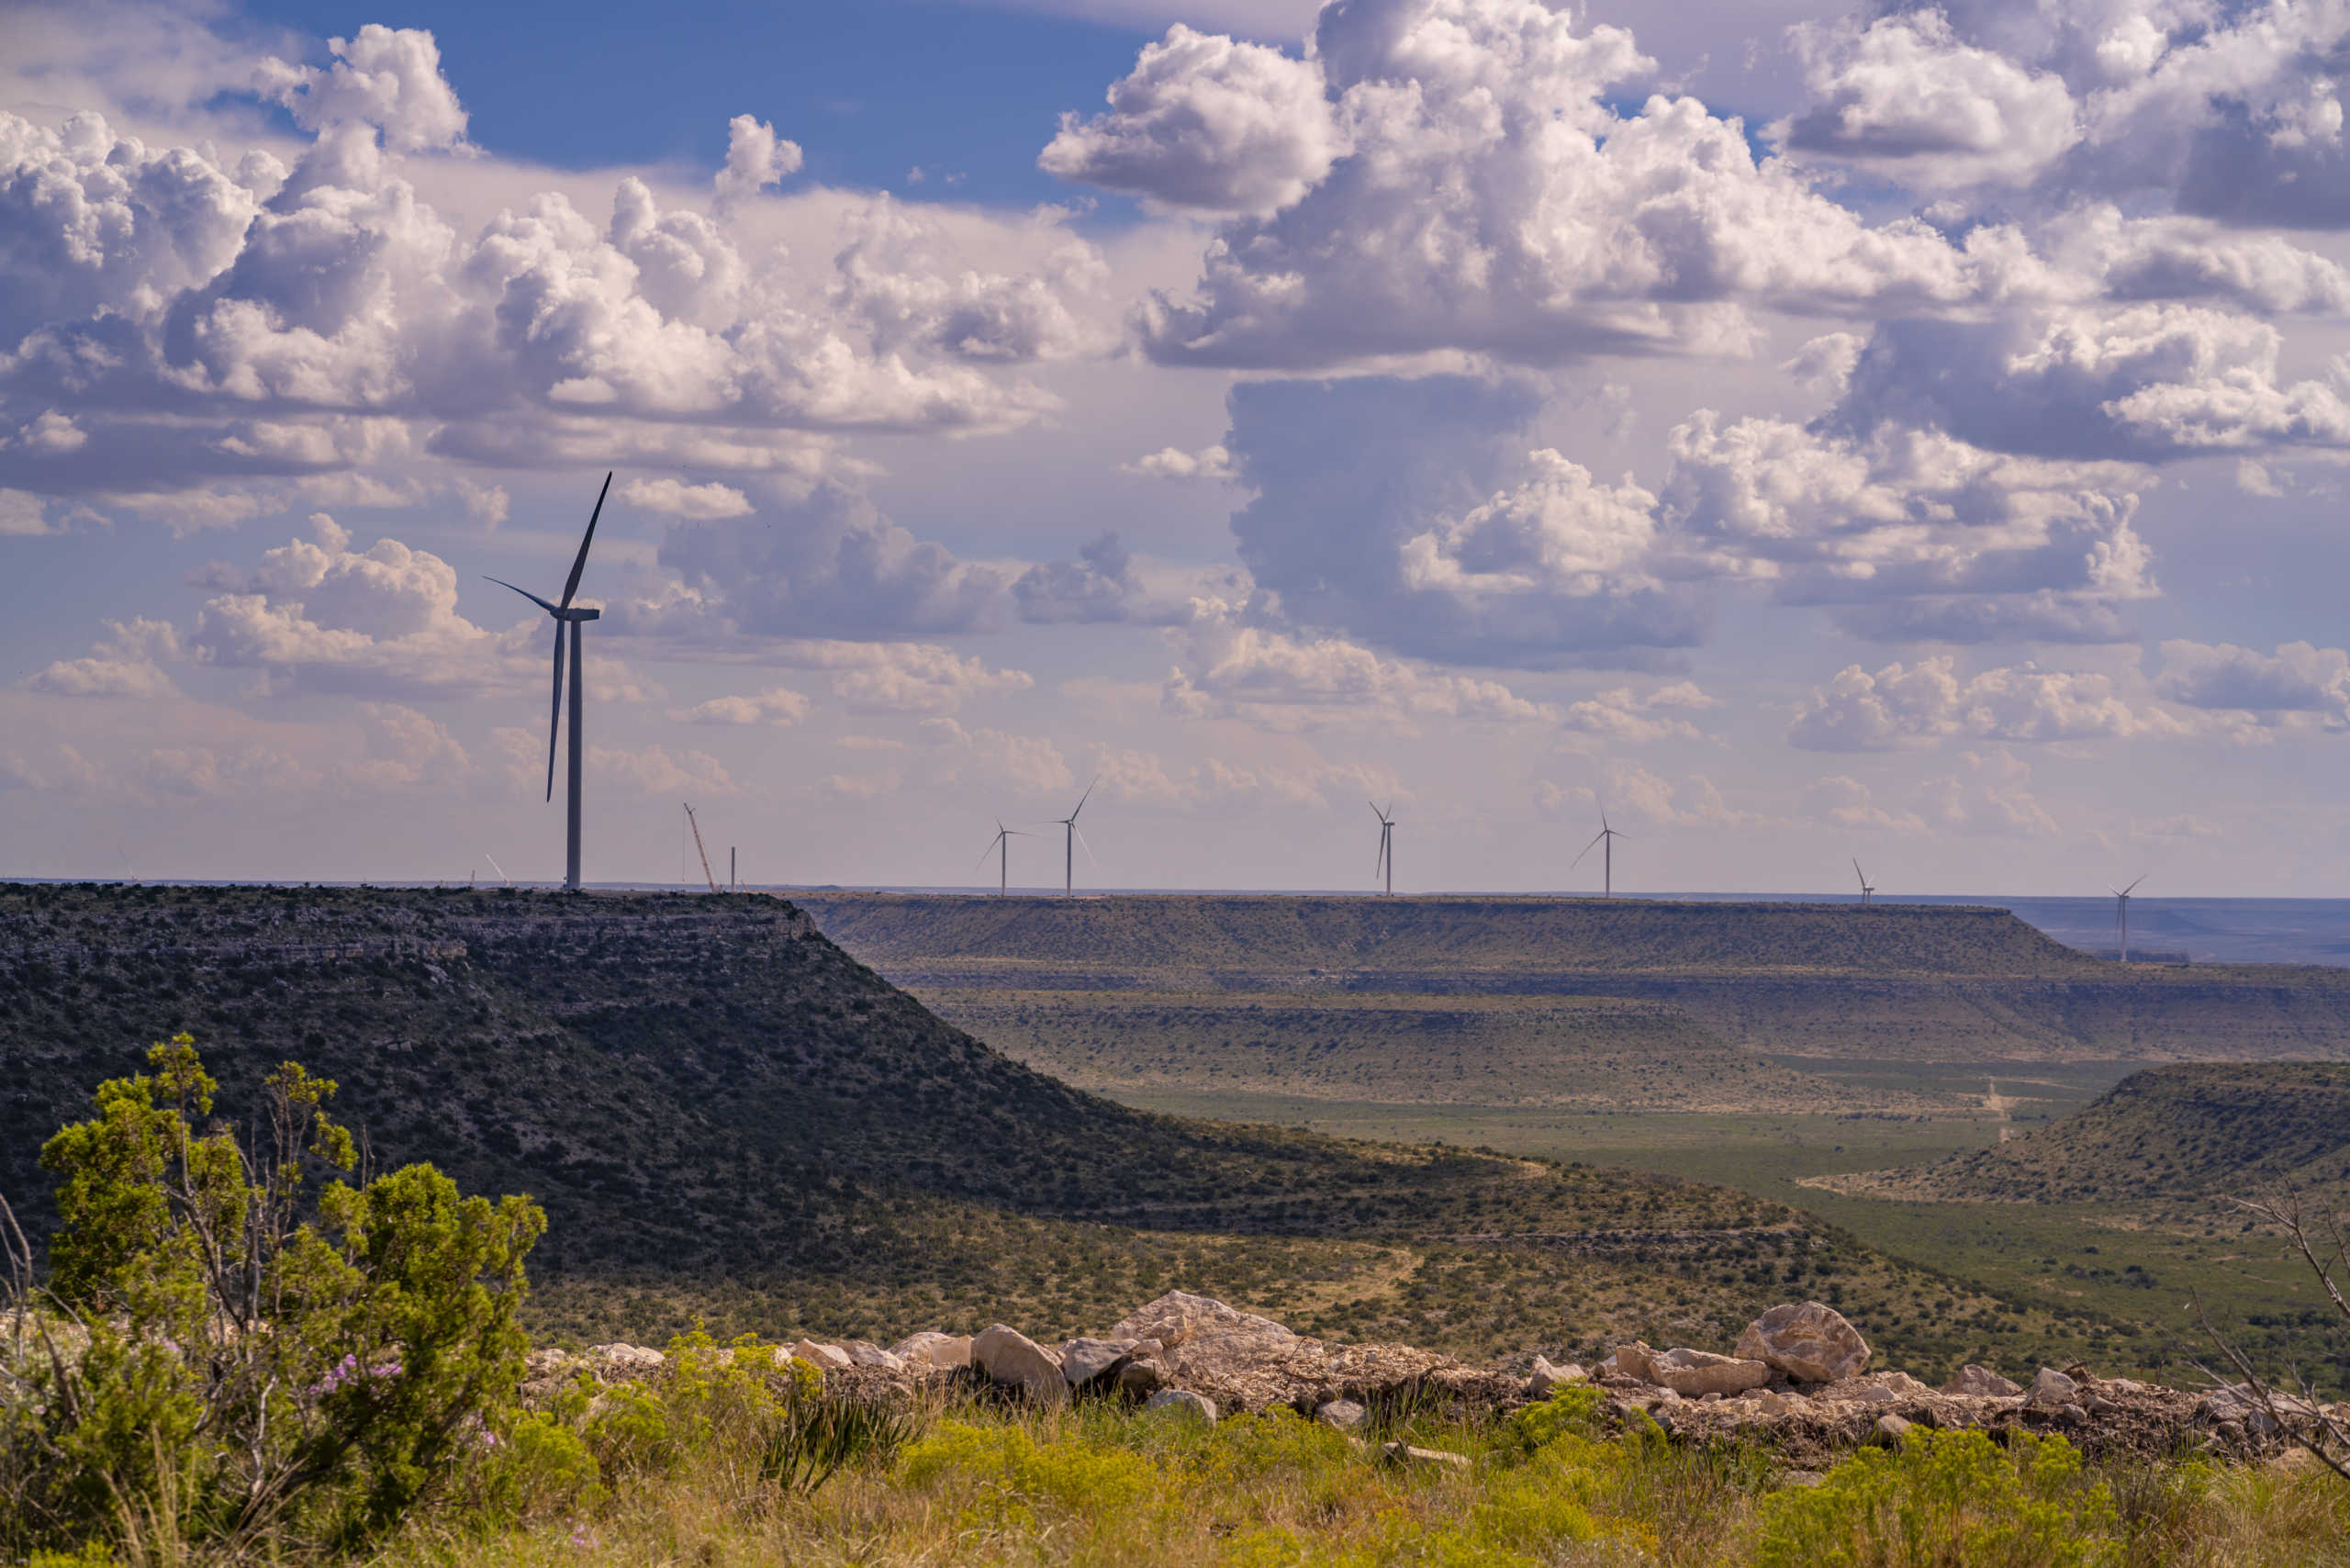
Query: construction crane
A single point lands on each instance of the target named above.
(698, 849)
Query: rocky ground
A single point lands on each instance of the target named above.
(1799, 1381)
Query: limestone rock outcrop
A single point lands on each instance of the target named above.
(1084, 1359)
(1692, 1374)
(1981, 1382)
(1244, 1362)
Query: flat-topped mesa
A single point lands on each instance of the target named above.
(1333, 936)
(1925, 982)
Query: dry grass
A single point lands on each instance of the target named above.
(1097, 1488)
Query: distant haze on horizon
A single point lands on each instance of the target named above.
(1813, 432)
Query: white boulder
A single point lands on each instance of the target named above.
(931, 1349)
(2049, 1386)
(1548, 1378)
(1185, 1404)
(1810, 1342)
(1342, 1415)
(1007, 1355)
(864, 1353)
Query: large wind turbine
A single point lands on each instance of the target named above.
(1605, 842)
(1867, 892)
(565, 616)
(1001, 845)
(2122, 913)
(1068, 871)
(1386, 846)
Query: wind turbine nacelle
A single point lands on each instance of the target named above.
(576, 613)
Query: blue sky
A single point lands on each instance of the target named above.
(1807, 432)
(872, 90)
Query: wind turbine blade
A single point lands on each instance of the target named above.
(526, 593)
(1863, 876)
(1587, 848)
(580, 564)
(1082, 798)
(1089, 859)
(1375, 811)
(554, 715)
(2133, 887)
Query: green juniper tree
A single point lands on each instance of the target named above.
(228, 1355)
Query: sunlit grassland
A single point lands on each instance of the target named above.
(1098, 1487)
(2082, 1261)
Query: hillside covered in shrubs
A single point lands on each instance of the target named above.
(727, 1118)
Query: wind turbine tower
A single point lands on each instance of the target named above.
(2122, 913)
(1867, 892)
(1605, 842)
(1386, 860)
(1000, 846)
(566, 617)
(1072, 839)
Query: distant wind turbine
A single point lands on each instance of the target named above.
(1386, 844)
(1000, 845)
(2122, 913)
(1867, 892)
(1074, 838)
(565, 616)
(1605, 842)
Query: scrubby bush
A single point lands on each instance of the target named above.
(227, 1357)
(1574, 1410)
(746, 1417)
(1946, 1500)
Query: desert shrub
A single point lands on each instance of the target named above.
(222, 1360)
(1009, 1475)
(1573, 1410)
(541, 1469)
(1553, 1473)
(1946, 1500)
(746, 1417)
